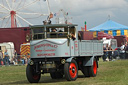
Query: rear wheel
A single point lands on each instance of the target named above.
(71, 70)
(93, 69)
(85, 71)
(31, 75)
(56, 75)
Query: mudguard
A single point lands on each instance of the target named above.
(68, 60)
(88, 61)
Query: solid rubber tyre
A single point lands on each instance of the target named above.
(53, 76)
(71, 70)
(31, 76)
(85, 71)
(93, 69)
(56, 75)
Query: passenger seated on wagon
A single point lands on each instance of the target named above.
(53, 30)
(72, 33)
(73, 36)
(60, 34)
(53, 34)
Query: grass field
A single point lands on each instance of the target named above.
(109, 73)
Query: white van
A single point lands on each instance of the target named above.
(112, 42)
(10, 48)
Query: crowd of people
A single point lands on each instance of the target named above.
(112, 54)
(5, 59)
(108, 55)
(107, 52)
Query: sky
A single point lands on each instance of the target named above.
(94, 12)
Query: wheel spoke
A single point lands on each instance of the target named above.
(2, 22)
(23, 19)
(3, 12)
(32, 13)
(3, 2)
(27, 5)
(7, 22)
(4, 17)
(48, 7)
(4, 7)
(19, 4)
(13, 4)
(17, 20)
(8, 4)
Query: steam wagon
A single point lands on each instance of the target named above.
(61, 53)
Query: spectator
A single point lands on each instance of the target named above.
(126, 51)
(116, 53)
(15, 58)
(23, 59)
(27, 58)
(122, 51)
(1, 57)
(105, 53)
(6, 58)
(110, 53)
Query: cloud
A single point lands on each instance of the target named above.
(94, 12)
(79, 6)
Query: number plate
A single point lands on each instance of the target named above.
(48, 62)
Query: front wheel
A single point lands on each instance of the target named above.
(71, 70)
(31, 75)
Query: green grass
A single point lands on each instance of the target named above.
(109, 73)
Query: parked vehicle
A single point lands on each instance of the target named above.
(10, 48)
(17, 36)
(61, 53)
(112, 42)
(25, 49)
